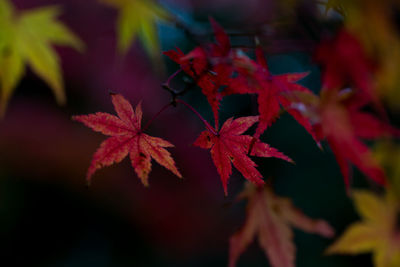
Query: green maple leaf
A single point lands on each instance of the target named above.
(137, 19)
(26, 38)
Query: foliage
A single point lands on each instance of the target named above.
(126, 138)
(377, 233)
(137, 19)
(26, 38)
(354, 48)
(228, 146)
(271, 217)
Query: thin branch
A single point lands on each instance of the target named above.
(208, 126)
(172, 77)
(156, 115)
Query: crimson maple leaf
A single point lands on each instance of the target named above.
(126, 138)
(270, 218)
(210, 66)
(338, 117)
(273, 92)
(344, 124)
(345, 62)
(229, 146)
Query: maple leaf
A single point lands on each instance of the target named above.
(378, 33)
(345, 61)
(339, 117)
(211, 66)
(271, 217)
(137, 19)
(344, 124)
(273, 92)
(26, 39)
(126, 138)
(378, 232)
(229, 147)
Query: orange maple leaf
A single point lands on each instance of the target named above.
(271, 217)
(126, 138)
(229, 146)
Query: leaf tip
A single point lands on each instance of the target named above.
(225, 190)
(88, 182)
(325, 229)
(319, 145)
(145, 183)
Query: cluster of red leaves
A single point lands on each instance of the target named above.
(213, 67)
(219, 70)
(341, 118)
(227, 146)
(337, 115)
(210, 66)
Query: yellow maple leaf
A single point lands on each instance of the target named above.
(137, 19)
(378, 232)
(387, 153)
(26, 38)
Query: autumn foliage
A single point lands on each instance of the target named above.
(346, 116)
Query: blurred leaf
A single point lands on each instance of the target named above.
(374, 23)
(344, 124)
(388, 154)
(378, 232)
(271, 217)
(137, 19)
(345, 62)
(26, 38)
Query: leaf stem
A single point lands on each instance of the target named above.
(167, 83)
(208, 126)
(156, 115)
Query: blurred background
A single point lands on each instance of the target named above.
(49, 217)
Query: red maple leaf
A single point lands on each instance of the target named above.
(339, 117)
(273, 92)
(345, 62)
(209, 65)
(229, 146)
(126, 138)
(344, 124)
(270, 218)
